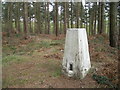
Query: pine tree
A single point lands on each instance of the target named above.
(113, 24)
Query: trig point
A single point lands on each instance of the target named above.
(76, 60)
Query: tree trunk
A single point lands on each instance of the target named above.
(119, 30)
(18, 17)
(54, 23)
(65, 16)
(9, 17)
(25, 19)
(81, 14)
(86, 19)
(113, 25)
(95, 17)
(71, 14)
(67, 8)
(48, 19)
(77, 14)
(45, 18)
(61, 24)
(56, 18)
(35, 23)
(31, 31)
(61, 28)
(101, 18)
(39, 17)
(91, 21)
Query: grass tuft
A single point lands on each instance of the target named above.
(12, 58)
(57, 73)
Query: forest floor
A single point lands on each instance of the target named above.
(36, 63)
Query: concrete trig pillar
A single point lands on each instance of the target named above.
(76, 60)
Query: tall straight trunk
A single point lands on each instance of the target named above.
(29, 15)
(38, 17)
(18, 17)
(86, 19)
(71, 14)
(67, 8)
(45, 18)
(48, 19)
(113, 24)
(61, 28)
(31, 31)
(119, 29)
(91, 13)
(81, 14)
(89, 20)
(65, 16)
(35, 18)
(77, 15)
(9, 17)
(56, 18)
(95, 18)
(25, 19)
(16, 23)
(119, 39)
(101, 18)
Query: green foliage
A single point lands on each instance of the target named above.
(8, 49)
(45, 44)
(11, 58)
(10, 80)
(99, 39)
(103, 80)
(57, 73)
(17, 35)
(57, 42)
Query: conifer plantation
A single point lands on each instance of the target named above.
(33, 42)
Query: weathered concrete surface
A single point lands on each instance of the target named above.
(76, 60)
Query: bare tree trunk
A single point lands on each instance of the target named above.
(77, 14)
(54, 23)
(9, 17)
(45, 18)
(25, 19)
(61, 24)
(71, 14)
(113, 25)
(34, 23)
(39, 17)
(48, 20)
(101, 18)
(61, 28)
(119, 30)
(56, 18)
(65, 16)
(86, 19)
(91, 13)
(95, 17)
(19, 30)
(67, 8)
(31, 31)
(81, 14)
